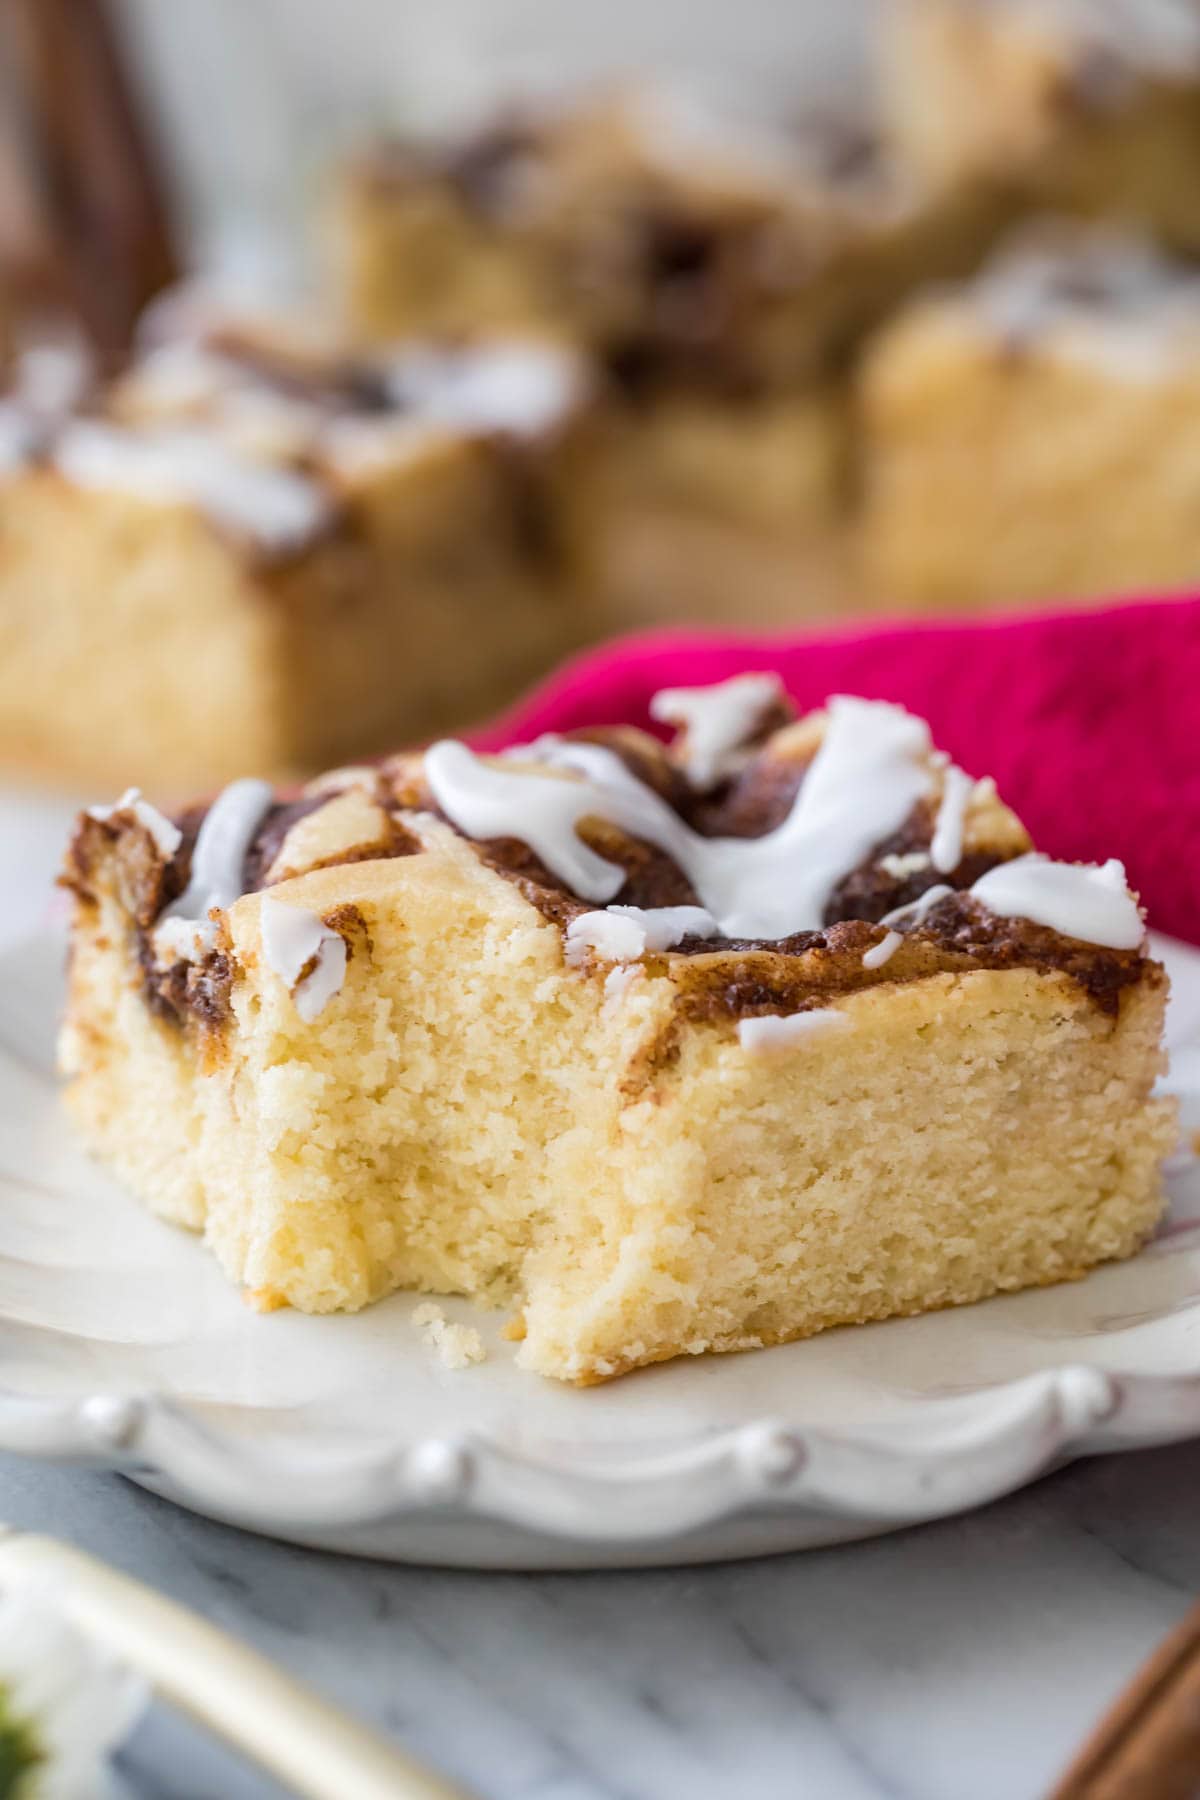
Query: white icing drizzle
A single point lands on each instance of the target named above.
(909, 917)
(871, 769)
(523, 389)
(593, 760)
(218, 861)
(486, 802)
(613, 939)
(1094, 297)
(716, 721)
(276, 507)
(900, 867)
(774, 1033)
(622, 933)
(1081, 900)
(167, 836)
(883, 951)
(919, 909)
(946, 845)
(665, 926)
(305, 953)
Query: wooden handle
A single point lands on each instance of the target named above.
(1147, 1747)
(84, 221)
(309, 1745)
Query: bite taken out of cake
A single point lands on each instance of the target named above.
(668, 1050)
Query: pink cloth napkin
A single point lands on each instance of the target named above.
(1089, 721)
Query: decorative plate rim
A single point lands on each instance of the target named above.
(948, 1452)
(1016, 1430)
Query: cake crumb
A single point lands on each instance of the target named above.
(513, 1330)
(458, 1346)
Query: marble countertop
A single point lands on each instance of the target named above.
(964, 1658)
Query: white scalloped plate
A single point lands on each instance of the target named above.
(121, 1344)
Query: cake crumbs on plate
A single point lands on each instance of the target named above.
(458, 1346)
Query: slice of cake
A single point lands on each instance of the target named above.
(684, 244)
(1035, 434)
(678, 1050)
(254, 551)
(720, 271)
(1089, 105)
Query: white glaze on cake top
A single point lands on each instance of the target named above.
(946, 845)
(166, 835)
(261, 426)
(623, 933)
(1088, 901)
(305, 953)
(218, 865)
(883, 951)
(875, 762)
(871, 769)
(900, 920)
(519, 388)
(276, 507)
(903, 864)
(1094, 297)
(716, 721)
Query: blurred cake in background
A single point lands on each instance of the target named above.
(603, 363)
(766, 459)
(250, 550)
(1089, 105)
(1048, 412)
(722, 275)
(678, 243)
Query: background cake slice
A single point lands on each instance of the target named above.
(1033, 434)
(721, 274)
(1089, 106)
(252, 553)
(668, 1051)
